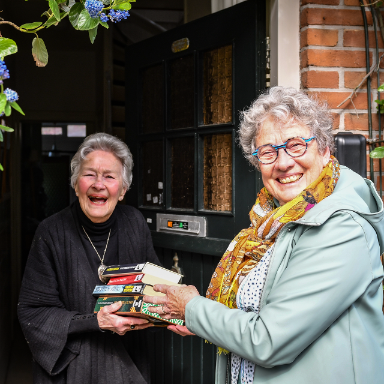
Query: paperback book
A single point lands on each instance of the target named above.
(153, 274)
(135, 306)
(130, 279)
(125, 290)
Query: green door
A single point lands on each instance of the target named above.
(185, 90)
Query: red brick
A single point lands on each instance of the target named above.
(333, 58)
(353, 79)
(354, 3)
(326, 16)
(359, 122)
(335, 98)
(326, 37)
(336, 120)
(323, 2)
(320, 79)
(378, 182)
(376, 166)
(354, 38)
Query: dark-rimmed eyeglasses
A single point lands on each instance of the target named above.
(294, 147)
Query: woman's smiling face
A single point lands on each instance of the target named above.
(287, 176)
(100, 185)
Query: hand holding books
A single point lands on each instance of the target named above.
(108, 320)
(172, 305)
(125, 292)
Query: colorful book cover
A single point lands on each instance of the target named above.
(157, 272)
(124, 289)
(134, 306)
(126, 279)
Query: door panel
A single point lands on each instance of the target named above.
(182, 117)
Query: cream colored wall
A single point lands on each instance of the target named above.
(284, 35)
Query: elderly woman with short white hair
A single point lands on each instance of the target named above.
(297, 296)
(69, 343)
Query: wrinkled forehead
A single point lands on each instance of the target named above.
(276, 131)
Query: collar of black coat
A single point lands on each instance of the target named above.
(96, 231)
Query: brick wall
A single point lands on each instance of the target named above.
(332, 56)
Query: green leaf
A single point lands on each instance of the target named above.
(3, 101)
(7, 47)
(122, 5)
(7, 109)
(381, 88)
(1, 167)
(377, 153)
(39, 52)
(6, 129)
(380, 102)
(31, 25)
(52, 20)
(1, 136)
(55, 9)
(85, 22)
(104, 24)
(92, 34)
(16, 106)
(75, 13)
(63, 14)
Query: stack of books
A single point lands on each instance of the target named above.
(129, 284)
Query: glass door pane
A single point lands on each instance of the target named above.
(183, 172)
(218, 172)
(182, 82)
(217, 106)
(152, 173)
(152, 103)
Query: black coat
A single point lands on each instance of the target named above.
(57, 285)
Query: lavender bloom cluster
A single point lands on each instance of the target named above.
(4, 72)
(94, 7)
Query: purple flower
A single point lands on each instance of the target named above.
(11, 95)
(94, 7)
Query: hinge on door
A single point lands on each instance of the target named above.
(268, 64)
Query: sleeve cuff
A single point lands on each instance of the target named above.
(190, 312)
(83, 323)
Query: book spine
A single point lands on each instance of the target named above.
(123, 270)
(123, 290)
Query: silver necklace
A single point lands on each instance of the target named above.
(102, 267)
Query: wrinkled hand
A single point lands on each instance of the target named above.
(181, 330)
(172, 306)
(107, 319)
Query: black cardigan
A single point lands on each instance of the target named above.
(57, 285)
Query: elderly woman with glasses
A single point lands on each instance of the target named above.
(297, 296)
(69, 343)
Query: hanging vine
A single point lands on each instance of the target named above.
(84, 15)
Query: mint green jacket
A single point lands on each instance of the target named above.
(321, 319)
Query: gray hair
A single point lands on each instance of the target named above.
(285, 106)
(107, 143)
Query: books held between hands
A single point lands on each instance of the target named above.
(129, 283)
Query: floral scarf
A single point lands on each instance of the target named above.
(250, 245)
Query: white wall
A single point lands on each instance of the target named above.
(285, 42)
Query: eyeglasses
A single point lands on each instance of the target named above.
(294, 147)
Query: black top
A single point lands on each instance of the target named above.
(57, 287)
(98, 233)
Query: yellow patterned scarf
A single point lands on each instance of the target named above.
(249, 246)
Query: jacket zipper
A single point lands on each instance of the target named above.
(266, 278)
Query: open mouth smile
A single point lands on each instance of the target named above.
(289, 179)
(99, 200)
